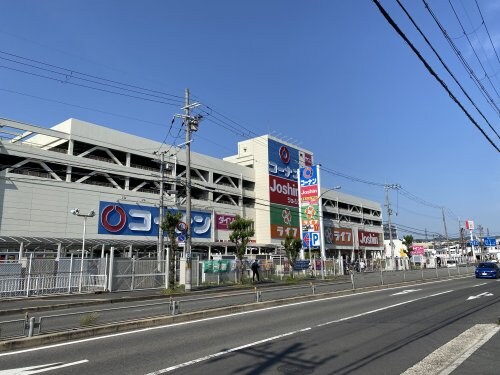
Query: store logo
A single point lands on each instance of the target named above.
(116, 225)
(284, 154)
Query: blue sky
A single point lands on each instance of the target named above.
(330, 76)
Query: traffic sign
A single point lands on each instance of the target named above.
(490, 241)
(311, 239)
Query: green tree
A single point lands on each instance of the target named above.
(242, 229)
(292, 248)
(408, 241)
(170, 222)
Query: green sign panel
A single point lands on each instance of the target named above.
(284, 215)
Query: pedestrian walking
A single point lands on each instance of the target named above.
(255, 269)
(362, 265)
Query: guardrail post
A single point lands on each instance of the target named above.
(133, 275)
(29, 277)
(313, 288)
(31, 327)
(258, 296)
(174, 306)
(70, 273)
(111, 262)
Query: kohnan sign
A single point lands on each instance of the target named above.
(132, 220)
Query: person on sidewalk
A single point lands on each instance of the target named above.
(255, 270)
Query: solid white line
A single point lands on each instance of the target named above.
(448, 357)
(185, 364)
(197, 321)
(201, 359)
(36, 369)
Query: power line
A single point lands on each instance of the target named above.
(72, 73)
(446, 66)
(487, 31)
(474, 50)
(432, 72)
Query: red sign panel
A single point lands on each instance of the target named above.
(283, 191)
(368, 238)
(338, 236)
(308, 193)
(308, 159)
(281, 231)
(222, 221)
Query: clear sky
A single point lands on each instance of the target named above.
(328, 75)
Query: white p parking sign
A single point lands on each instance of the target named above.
(311, 239)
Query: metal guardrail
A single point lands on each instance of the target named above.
(13, 328)
(98, 317)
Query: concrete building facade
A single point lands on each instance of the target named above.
(45, 173)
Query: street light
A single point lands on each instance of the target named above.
(76, 212)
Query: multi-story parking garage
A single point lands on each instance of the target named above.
(45, 173)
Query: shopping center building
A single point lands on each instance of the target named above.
(47, 172)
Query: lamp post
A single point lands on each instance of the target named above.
(76, 212)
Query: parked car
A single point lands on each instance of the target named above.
(487, 270)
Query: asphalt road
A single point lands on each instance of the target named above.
(379, 332)
(97, 309)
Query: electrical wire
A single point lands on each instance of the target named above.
(446, 66)
(432, 72)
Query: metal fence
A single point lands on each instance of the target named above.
(51, 276)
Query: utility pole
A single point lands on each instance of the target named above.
(446, 234)
(481, 243)
(389, 212)
(160, 219)
(191, 124)
(188, 195)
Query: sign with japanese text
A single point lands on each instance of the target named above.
(281, 231)
(284, 221)
(133, 220)
(308, 180)
(338, 236)
(283, 160)
(283, 191)
(222, 221)
(417, 250)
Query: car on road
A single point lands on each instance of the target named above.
(487, 270)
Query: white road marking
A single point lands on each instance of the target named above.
(40, 368)
(406, 291)
(166, 326)
(201, 359)
(479, 284)
(185, 364)
(451, 355)
(485, 294)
